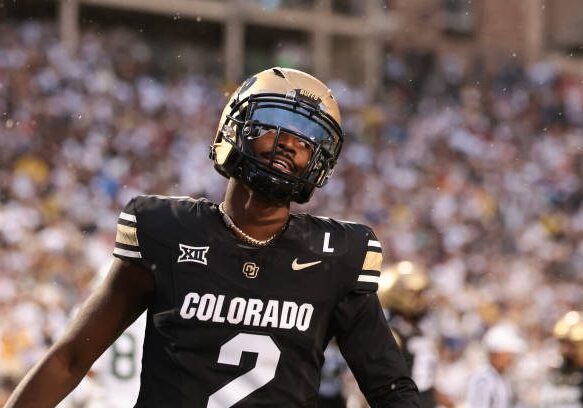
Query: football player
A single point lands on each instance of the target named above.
(564, 385)
(242, 297)
(403, 294)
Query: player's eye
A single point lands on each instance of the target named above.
(304, 144)
(265, 131)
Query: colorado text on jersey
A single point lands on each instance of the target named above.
(248, 312)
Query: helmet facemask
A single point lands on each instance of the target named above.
(256, 115)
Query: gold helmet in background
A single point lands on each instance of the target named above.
(563, 327)
(576, 337)
(401, 288)
(281, 100)
(569, 330)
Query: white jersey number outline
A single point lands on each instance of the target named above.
(123, 362)
(267, 358)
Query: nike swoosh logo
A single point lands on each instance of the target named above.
(299, 266)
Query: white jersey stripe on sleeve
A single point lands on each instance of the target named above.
(125, 252)
(373, 243)
(128, 217)
(368, 278)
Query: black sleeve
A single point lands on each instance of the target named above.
(364, 338)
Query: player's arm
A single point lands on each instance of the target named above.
(365, 340)
(120, 299)
(373, 354)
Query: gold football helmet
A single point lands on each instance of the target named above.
(401, 288)
(576, 337)
(280, 100)
(563, 327)
(569, 331)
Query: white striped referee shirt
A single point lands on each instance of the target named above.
(488, 389)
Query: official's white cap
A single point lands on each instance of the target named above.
(504, 337)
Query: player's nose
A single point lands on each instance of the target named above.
(288, 142)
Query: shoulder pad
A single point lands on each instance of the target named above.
(357, 242)
(152, 217)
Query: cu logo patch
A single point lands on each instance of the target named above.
(192, 254)
(250, 270)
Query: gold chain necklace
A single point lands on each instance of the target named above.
(242, 235)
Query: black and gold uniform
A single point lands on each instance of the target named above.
(402, 295)
(564, 388)
(421, 356)
(233, 325)
(564, 385)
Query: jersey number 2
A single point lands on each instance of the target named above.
(267, 358)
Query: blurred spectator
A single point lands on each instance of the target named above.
(487, 386)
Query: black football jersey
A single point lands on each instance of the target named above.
(237, 326)
(563, 388)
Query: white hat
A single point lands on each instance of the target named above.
(504, 338)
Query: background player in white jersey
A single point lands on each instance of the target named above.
(114, 379)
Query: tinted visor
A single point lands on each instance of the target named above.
(312, 128)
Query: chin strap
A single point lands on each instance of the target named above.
(268, 185)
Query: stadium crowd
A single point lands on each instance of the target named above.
(474, 174)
